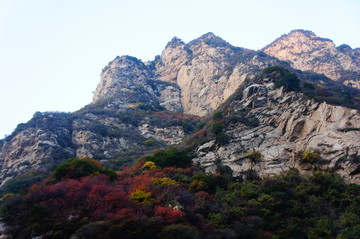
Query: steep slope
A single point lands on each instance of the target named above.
(200, 74)
(308, 52)
(115, 136)
(269, 130)
(126, 81)
(208, 70)
(139, 106)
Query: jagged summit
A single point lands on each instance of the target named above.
(209, 35)
(308, 52)
(309, 34)
(298, 36)
(175, 41)
(210, 39)
(192, 78)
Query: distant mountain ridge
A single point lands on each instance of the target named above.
(140, 106)
(307, 52)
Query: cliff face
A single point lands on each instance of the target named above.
(200, 74)
(101, 133)
(127, 81)
(287, 125)
(208, 70)
(308, 52)
(140, 106)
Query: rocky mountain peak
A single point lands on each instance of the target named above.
(175, 42)
(308, 52)
(128, 110)
(308, 34)
(121, 73)
(209, 39)
(209, 35)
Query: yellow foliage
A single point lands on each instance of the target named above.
(198, 185)
(165, 181)
(142, 196)
(5, 196)
(254, 156)
(149, 165)
(309, 157)
(135, 106)
(321, 86)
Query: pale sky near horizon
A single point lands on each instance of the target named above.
(52, 52)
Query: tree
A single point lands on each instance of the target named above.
(78, 168)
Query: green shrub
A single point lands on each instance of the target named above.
(309, 157)
(277, 71)
(81, 167)
(22, 182)
(217, 116)
(308, 86)
(169, 158)
(254, 156)
(202, 182)
(217, 127)
(290, 82)
(222, 138)
(94, 230)
(180, 231)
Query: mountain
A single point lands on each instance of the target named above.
(201, 74)
(266, 130)
(140, 106)
(307, 52)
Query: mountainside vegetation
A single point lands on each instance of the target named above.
(270, 152)
(152, 201)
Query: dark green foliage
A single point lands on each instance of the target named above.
(276, 71)
(180, 231)
(217, 116)
(315, 86)
(95, 230)
(254, 156)
(202, 182)
(309, 157)
(309, 86)
(23, 182)
(169, 158)
(80, 167)
(289, 81)
(222, 138)
(217, 127)
(213, 206)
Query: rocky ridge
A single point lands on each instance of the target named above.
(288, 123)
(108, 135)
(128, 115)
(308, 52)
(201, 74)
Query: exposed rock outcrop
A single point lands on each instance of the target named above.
(201, 75)
(126, 81)
(308, 52)
(128, 115)
(288, 124)
(103, 134)
(208, 70)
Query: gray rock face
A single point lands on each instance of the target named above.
(50, 138)
(196, 78)
(127, 82)
(208, 70)
(288, 124)
(308, 52)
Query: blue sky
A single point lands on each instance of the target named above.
(52, 52)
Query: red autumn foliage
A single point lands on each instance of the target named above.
(169, 214)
